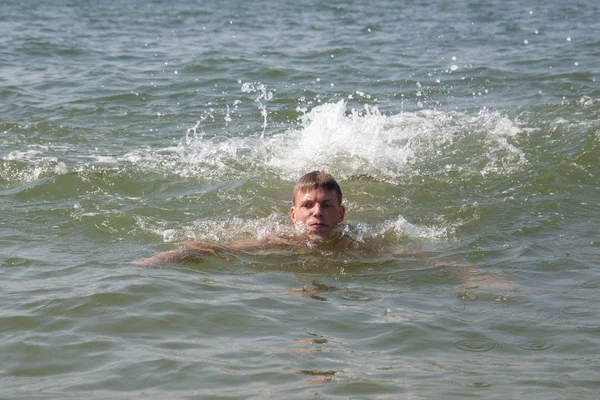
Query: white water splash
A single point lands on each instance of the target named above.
(351, 143)
(345, 142)
(393, 147)
(30, 166)
(403, 228)
(263, 95)
(224, 231)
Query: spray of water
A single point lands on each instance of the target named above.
(347, 142)
(351, 142)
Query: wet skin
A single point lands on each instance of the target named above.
(319, 211)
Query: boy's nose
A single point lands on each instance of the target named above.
(317, 209)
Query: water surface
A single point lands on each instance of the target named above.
(467, 130)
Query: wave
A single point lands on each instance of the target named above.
(348, 142)
(351, 143)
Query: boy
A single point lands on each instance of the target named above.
(317, 205)
(316, 211)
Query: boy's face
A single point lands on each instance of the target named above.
(319, 211)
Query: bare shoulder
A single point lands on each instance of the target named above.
(256, 244)
(194, 251)
(376, 245)
(190, 251)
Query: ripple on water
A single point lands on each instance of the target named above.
(530, 309)
(536, 345)
(355, 296)
(480, 385)
(16, 262)
(444, 274)
(476, 345)
(403, 278)
(576, 310)
(592, 284)
(476, 308)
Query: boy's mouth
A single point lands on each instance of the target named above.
(318, 227)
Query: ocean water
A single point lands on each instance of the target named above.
(467, 130)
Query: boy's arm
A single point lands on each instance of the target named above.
(253, 244)
(191, 252)
(160, 259)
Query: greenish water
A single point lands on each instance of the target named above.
(466, 130)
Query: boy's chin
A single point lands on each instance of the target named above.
(319, 235)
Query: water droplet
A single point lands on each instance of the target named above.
(526, 41)
(467, 296)
(502, 299)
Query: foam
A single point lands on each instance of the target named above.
(223, 231)
(229, 230)
(402, 228)
(329, 136)
(358, 142)
(25, 167)
(347, 143)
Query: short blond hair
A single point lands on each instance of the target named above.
(317, 180)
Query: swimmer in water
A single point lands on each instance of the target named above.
(316, 211)
(317, 205)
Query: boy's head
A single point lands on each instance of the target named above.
(317, 180)
(317, 204)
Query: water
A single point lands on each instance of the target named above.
(468, 130)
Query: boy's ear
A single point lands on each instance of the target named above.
(293, 214)
(342, 213)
